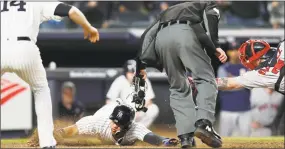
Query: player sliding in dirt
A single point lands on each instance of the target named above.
(266, 65)
(113, 122)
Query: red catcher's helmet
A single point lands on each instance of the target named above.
(252, 50)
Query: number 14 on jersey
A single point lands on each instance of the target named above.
(5, 5)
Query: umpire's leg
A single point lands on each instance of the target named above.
(196, 60)
(168, 48)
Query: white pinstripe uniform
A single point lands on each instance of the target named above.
(253, 79)
(98, 125)
(22, 19)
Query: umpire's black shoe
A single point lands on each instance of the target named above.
(207, 134)
(187, 140)
(49, 147)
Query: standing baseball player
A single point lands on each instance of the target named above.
(265, 103)
(20, 21)
(114, 122)
(177, 42)
(121, 88)
(266, 65)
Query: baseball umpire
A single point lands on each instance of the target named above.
(182, 39)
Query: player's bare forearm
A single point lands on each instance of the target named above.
(78, 17)
(89, 31)
(59, 135)
(66, 132)
(228, 84)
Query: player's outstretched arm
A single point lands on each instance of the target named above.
(89, 31)
(59, 135)
(228, 84)
(223, 84)
(157, 140)
(66, 132)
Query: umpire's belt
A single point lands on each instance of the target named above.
(166, 24)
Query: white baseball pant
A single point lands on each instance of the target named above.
(235, 124)
(147, 118)
(261, 132)
(23, 58)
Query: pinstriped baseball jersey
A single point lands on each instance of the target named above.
(22, 18)
(99, 125)
(255, 79)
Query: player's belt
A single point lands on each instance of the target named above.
(24, 38)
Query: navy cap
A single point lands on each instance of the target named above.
(234, 45)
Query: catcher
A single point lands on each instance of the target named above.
(266, 64)
(113, 122)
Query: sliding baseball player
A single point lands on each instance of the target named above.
(114, 122)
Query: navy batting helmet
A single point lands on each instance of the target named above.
(129, 66)
(123, 116)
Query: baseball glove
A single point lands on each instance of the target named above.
(170, 142)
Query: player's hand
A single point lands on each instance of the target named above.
(143, 73)
(256, 125)
(170, 142)
(91, 33)
(221, 55)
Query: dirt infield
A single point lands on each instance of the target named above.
(273, 142)
(88, 142)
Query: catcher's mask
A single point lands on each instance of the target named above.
(123, 116)
(252, 50)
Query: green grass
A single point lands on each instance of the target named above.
(8, 141)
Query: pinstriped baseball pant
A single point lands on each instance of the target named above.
(23, 58)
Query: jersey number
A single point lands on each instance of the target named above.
(20, 4)
(275, 69)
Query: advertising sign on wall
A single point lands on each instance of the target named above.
(16, 103)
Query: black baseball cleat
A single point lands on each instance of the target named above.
(207, 134)
(49, 147)
(187, 140)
